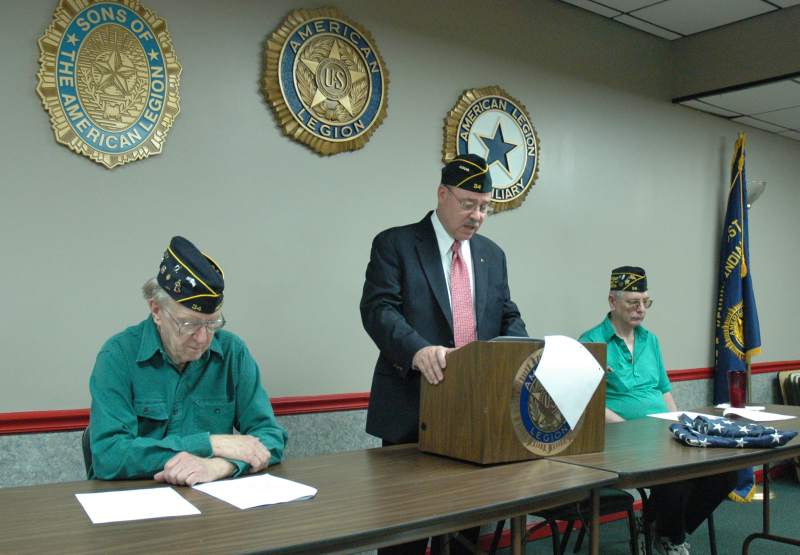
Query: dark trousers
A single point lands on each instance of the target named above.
(680, 507)
(419, 547)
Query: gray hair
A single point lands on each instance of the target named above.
(617, 294)
(152, 291)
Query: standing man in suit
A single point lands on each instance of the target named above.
(430, 288)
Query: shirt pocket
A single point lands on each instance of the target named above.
(616, 383)
(152, 417)
(214, 416)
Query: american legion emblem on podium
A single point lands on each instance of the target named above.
(109, 78)
(326, 80)
(491, 123)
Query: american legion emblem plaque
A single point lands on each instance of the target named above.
(109, 78)
(325, 80)
(491, 123)
(538, 422)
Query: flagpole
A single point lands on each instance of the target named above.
(749, 399)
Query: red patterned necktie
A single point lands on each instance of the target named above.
(461, 299)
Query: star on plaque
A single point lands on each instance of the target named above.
(334, 79)
(497, 148)
(116, 71)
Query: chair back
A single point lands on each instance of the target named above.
(87, 452)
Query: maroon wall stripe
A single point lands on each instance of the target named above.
(77, 419)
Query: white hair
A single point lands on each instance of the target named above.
(152, 291)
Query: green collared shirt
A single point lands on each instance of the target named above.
(635, 385)
(144, 411)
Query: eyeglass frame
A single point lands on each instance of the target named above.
(634, 303)
(488, 209)
(184, 325)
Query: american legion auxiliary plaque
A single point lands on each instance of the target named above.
(491, 123)
(109, 78)
(326, 80)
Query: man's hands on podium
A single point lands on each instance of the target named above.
(431, 361)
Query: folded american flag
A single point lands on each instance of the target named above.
(703, 431)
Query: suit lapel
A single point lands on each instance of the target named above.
(431, 262)
(480, 270)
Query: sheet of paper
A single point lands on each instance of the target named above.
(756, 415)
(748, 407)
(135, 504)
(570, 374)
(255, 491)
(675, 414)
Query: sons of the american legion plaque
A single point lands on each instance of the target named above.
(109, 78)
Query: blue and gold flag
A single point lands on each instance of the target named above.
(737, 334)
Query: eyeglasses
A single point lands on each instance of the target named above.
(191, 327)
(645, 303)
(471, 205)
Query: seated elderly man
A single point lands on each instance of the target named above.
(168, 393)
(637, 385)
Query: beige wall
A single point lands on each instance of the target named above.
(626, 178)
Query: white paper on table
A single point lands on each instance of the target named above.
(748, 407)
(756, 415)
(134, 504)
(570, 375)
(675, 414)
(255, 491)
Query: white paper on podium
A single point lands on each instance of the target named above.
(134, 504)
(255, 491)
(570, 375)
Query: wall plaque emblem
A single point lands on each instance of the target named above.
(491, 123)
(326, 80)
(109, 78)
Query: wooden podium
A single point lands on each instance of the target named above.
(469, 415)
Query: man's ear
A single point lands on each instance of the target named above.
(155, 311)
(441, 193)
(612, 302)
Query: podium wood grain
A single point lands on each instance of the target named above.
(468, 415)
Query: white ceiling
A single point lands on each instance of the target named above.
(673, 19)
(773, 107)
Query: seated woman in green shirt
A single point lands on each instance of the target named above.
(169, 393)
(637, 385)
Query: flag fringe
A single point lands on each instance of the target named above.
(734, 496)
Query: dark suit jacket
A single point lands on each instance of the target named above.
(405, 307)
